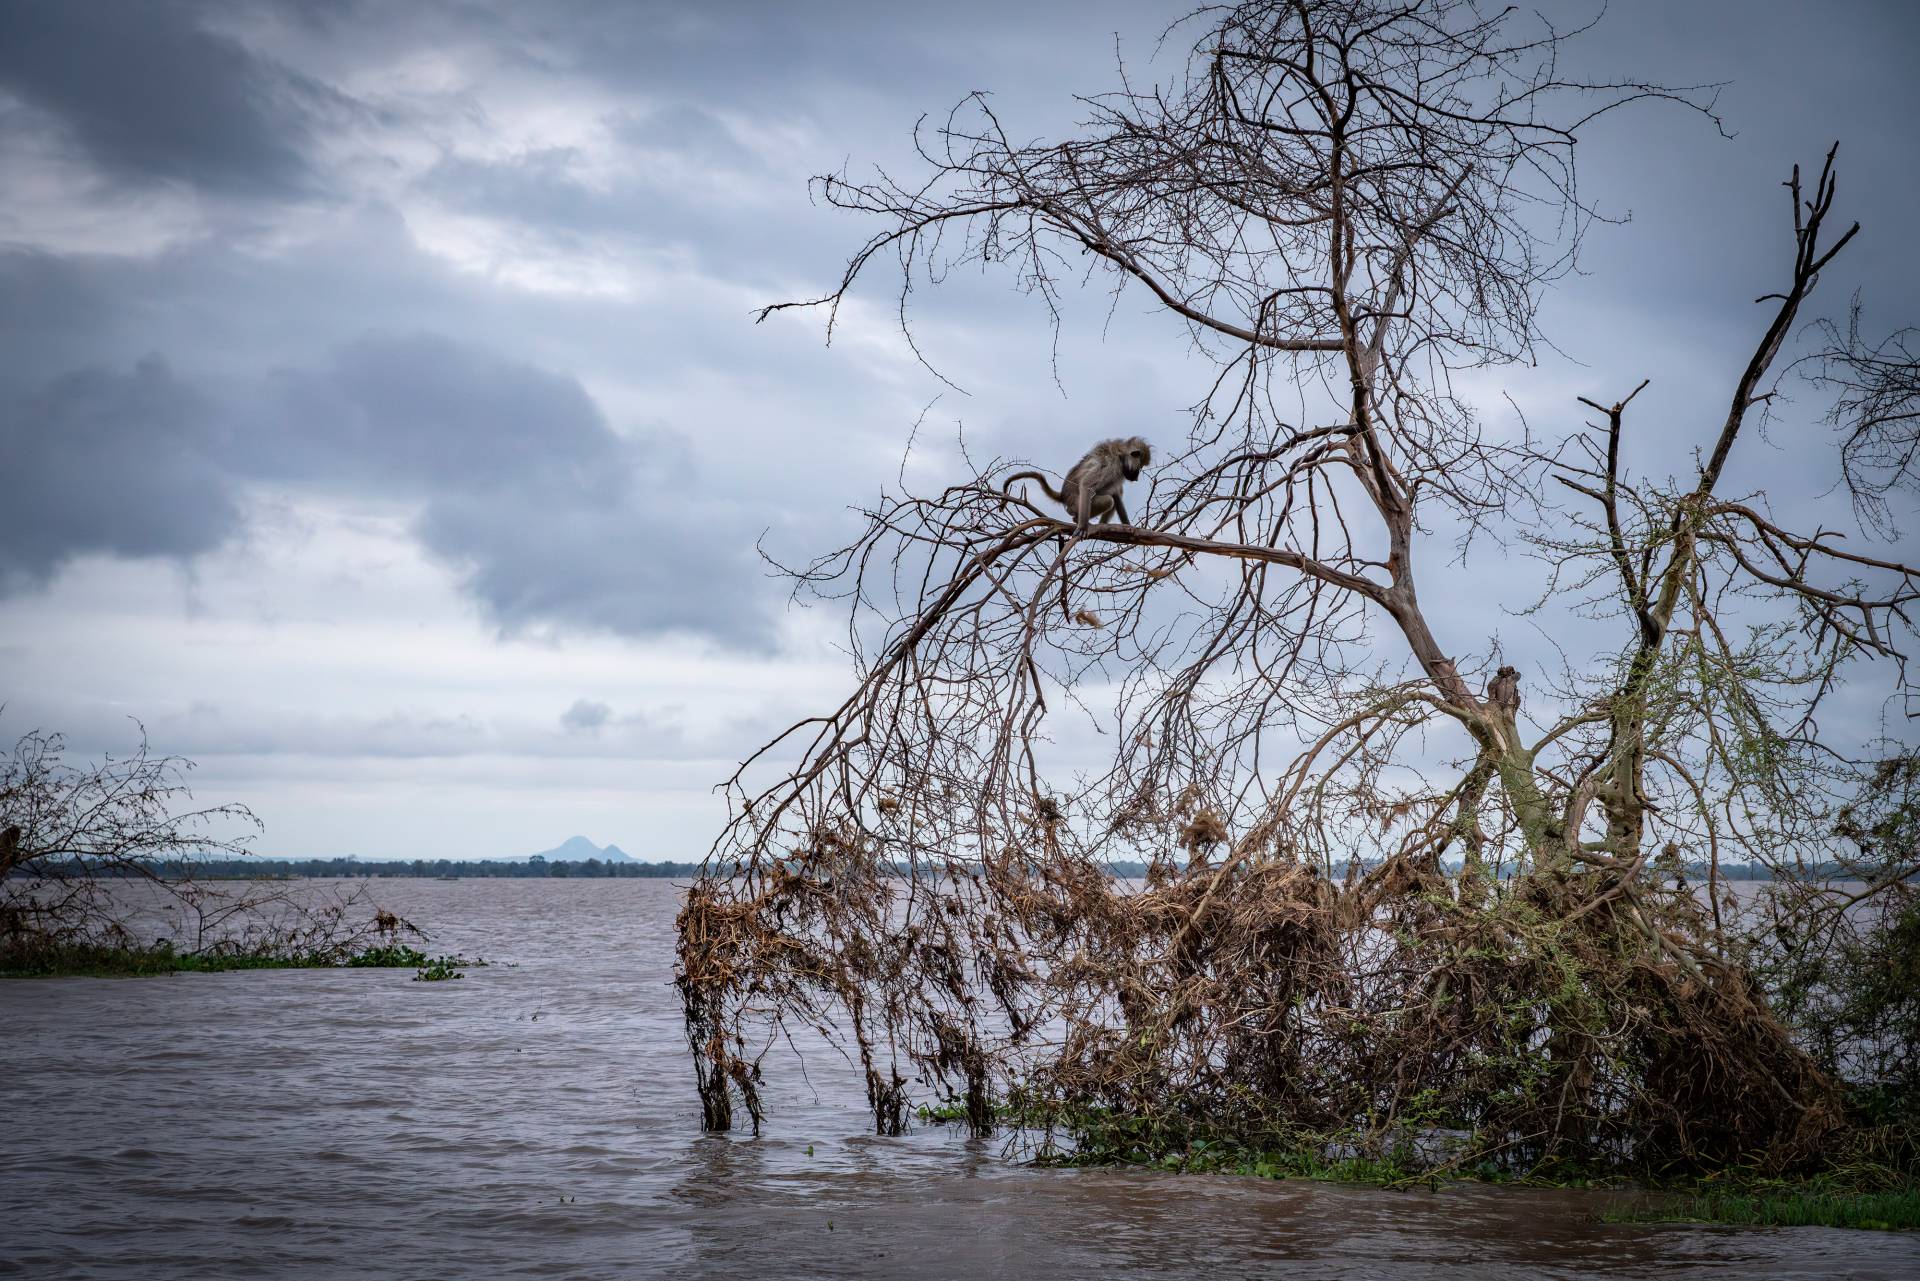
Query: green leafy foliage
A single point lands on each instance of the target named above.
(1780, 1205)
(67, 960)
(393, 956)
(442, 968)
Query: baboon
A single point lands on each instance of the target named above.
(1503, 691)
(1092, 487)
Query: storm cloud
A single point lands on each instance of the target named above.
(108, 461)
(519, 483)
(546, 513)
(152, 95)
(380, 381)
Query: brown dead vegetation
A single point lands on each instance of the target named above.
(1431, 905)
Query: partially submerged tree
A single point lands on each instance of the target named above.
(99, 859)
(1383, 894)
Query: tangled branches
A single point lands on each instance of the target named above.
(1381, 899)
(97, 863)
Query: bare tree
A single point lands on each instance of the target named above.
(1380, 894)
(102, 856)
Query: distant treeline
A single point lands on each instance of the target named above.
(537, 868)
(257, 868)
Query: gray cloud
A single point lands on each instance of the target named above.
(585, 717)
(237, 727)
(151, 95)
(626, 568)
(685, 180)
(43, 294)
(100, 461)
(536, 187)
(548, 514)
(687, 130)
(412, 412)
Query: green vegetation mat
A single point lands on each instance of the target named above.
(70, 960)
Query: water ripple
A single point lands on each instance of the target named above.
(539, 1121)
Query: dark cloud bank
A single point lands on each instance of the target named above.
(519, 480)
(116, 440)
(152, 95)
(142, 398)
(116, 462)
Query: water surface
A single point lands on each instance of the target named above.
(539, 1119)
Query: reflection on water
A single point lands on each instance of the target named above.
(538, 1119)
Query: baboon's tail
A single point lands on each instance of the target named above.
(1038, 479)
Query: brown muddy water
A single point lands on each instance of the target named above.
(538, 1119)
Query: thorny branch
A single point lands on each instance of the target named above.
(1342, 204)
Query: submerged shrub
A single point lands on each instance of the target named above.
(1404, 903)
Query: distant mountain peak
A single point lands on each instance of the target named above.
(578, 849)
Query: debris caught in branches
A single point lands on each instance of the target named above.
(1379, 905)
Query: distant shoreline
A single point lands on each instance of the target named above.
(539, 868)
(254, 869)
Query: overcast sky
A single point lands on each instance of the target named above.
(383, 423)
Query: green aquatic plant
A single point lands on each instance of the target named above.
(388, 956)
(1773, 1204)
(441, 968)
(124, 960)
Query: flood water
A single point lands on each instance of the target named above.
(538, 1119)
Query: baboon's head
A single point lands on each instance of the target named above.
(1135, 454)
